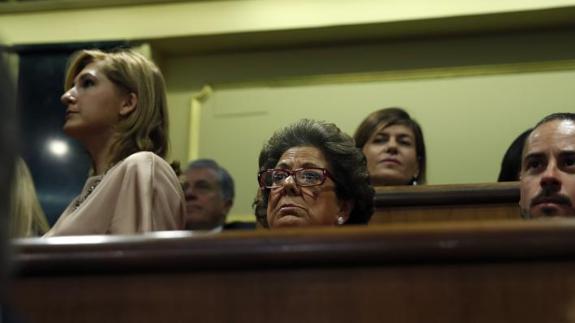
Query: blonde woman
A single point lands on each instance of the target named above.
(27, 217)
(116, 108)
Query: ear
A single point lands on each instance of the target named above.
(227, 206)
(344, 210)
(129, 104)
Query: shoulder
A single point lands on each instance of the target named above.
(143, 169)
(146, 157)
(142, 157)
(142, 161)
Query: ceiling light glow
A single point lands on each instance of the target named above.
(58, 148)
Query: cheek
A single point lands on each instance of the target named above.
(528, 184)
(210, 199)
(100, 111)
(311, 194)
(411, 158)
(315, 195)
(325, 209)
(272, 201)
(523, 200)
(369, 149)
(103, 105)
(273, 197)
(526, 192)
(569, 184)
(370, 152)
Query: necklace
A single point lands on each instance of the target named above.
(81, 199)
(90, 189)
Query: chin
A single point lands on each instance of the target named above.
(288, 221)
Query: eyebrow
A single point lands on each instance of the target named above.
(305, 165)
(533, 156)
(401, 134)
(567, 153)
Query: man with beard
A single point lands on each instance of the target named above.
(547, 178)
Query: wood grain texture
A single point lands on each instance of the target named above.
(455, 202)
(496, 271)
(451, 194)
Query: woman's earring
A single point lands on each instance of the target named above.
(340, 220)
(414, 181)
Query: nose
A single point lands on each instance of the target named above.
(189, 192)
(190, 196)
(290, 187)
(391, 145)
(68, 97)
(550, 181)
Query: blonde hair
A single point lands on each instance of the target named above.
(146, 128)
(27, 217)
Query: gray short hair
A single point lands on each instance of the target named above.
(223, 176)
(348, 164)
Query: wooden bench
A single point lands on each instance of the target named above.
(501, 271)
(457, 202)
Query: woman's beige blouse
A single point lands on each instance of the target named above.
(139, 194)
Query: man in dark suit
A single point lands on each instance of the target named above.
(209, 192)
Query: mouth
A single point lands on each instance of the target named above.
(284, 206)
(390, 161)
(551, 200)
(289, 209)
(193, 207)
(552, 205)
(70, 112)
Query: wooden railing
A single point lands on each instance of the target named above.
(427, 203)
(499, 271)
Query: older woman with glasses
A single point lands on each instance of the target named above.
(311, 174)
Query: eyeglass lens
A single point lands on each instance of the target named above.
(302, 177)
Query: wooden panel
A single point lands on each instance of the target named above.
(431, 203)
(500, 271)
(520, 292)
(438, 213)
